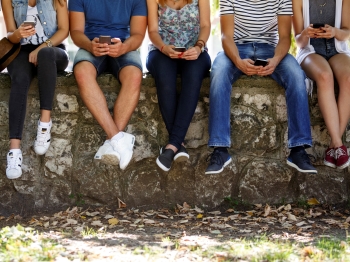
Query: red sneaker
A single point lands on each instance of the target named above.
(329, 158)
(342, 157)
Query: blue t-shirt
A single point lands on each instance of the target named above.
(108, 17)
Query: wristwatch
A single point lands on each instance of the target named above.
(48, 43)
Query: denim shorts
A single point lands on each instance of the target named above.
(109, 64)
(324, 47)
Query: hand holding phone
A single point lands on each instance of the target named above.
(27, 23)
(317, 25)
(179, 49)
(260, 62)
(105, 39)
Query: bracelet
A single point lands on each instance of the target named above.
(199, 40)
(161, 50)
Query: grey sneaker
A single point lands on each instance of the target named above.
(218, 160)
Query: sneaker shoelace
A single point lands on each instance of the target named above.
(215, 158)
(41, 136)
(339, 152)
(331, 153)
(13, 162)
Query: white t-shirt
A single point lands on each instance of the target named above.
(39, 37)
(256, 20)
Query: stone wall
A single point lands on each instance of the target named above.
(68, 175)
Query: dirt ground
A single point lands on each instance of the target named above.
(121, 234)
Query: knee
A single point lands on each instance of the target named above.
(132, 80)
(84, 73)
(324, 77)
(46, 54)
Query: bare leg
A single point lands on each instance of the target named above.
(45, 115)
(93, 97)
(15, 144)
(130, 78)
(341, 68)
(318, 69)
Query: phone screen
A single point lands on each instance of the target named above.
(180, 49)
(317, 25)
(104, 39)
(260, 62)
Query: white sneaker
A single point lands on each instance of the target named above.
(107, 155)
(43, 139)
(124, 146)
(14, 163)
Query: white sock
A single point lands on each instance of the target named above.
(44, 124)
(15, 151)
(118, 136)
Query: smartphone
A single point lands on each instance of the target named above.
(260, 62)
(180, 49)
(317, 25)
(105, 39)
(26, 23)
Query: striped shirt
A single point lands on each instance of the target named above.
(256, 20)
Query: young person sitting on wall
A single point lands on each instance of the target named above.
(324, 54)
(40, 26)
(177, 48)
(254, 30)
(123, 25)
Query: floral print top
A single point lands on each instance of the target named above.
(178, 27)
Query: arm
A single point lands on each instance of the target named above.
(138, 25)
(283, 45)
(14, 34)
(230, 48)
(204, 32)
(61, 33)
(342, 33)
(302, 35)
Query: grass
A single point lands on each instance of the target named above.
(24, 244)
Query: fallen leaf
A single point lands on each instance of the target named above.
(92, 214)
(292, 217)
(199, 216)
(215, 213)
(313, 201)
(97, 223)
(162, 216)
(108, 216)
(113, 221)
(121, 204)
(267, 210)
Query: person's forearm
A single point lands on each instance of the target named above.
(14, 37)
(204, 33)
(59, 37)
(302, 39)
(282, 48)
(156, 39)
(342, 34)
(230, 49)
(132, 43)
(81, 40)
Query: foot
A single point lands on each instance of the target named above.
(219, 159)
(329, 158)
(181, 155)
(107, 155)
(165, 159)
(124, 147)
(301, 161)
(43, 138)
(14, 165)
(342, 157)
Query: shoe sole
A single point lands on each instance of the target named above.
(222, 169)
(181, 157)
(110, 160)
(326, 163)
(344, 165)
(301, 170)
(15, 177)
(164, 168)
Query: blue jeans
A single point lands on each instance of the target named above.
(287, 74)
(177, 109)
(21, 71)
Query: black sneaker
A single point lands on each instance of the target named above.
(301, 161)
(165, 159)
(181, 155)
(218, 160)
